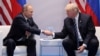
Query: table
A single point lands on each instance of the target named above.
(51, 47)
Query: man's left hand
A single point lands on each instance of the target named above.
(81, 49)
(27, 34)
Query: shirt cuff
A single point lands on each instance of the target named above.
(84, 45)
(53, 34)
(41, 31)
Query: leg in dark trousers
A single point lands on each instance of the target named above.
(30, 43)
(92, 47)
(69, 47)
(31, 47)
(10, 43)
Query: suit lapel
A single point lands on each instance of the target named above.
(79, 21)
(70, 25)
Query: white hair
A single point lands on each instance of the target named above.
(72, 6)
(25, 7)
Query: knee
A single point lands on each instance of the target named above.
(32, 41)
(65, 42)
(10, 42)
(94, 42)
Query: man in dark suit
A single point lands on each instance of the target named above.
(80, 31)
(21, 33)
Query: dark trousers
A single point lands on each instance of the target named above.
(30, 43)
(70, 47)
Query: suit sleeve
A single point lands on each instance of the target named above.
(33, 24)
(63, 33)
(90, 30)
(20, 22)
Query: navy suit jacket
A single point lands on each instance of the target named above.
(85, 25)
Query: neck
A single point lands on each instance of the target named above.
(24, 16)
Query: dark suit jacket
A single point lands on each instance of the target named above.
(85, 25)
(20, 25)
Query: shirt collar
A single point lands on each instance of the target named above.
(25, 18)
(77, 16)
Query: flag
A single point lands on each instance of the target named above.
(91, 7)
(9, 9)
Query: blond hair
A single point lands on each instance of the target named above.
(72, 6)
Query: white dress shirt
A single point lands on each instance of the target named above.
(76, 21)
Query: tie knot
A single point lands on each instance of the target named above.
(27, 20)
(73, 20)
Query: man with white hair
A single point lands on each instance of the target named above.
(81, 31)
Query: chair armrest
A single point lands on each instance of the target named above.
(1, 39)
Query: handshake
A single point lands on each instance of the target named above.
(47, 32)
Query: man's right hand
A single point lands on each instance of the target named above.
(48, 33)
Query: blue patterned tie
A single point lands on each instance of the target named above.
(76, 32)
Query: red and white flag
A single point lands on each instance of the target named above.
(8, 10)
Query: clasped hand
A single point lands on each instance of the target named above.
(47, 32)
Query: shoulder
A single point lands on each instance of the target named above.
(19, 17)
(84, 15)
